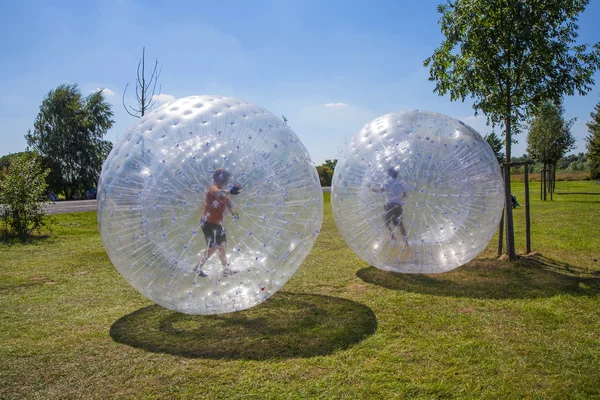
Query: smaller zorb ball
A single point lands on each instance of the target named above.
(208, 205)
(417, 192)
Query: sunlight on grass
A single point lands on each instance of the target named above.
(72, 327)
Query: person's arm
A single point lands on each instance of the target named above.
(231, 208)
(234, 190)
(375, 189)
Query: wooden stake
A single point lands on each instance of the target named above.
(527, 219)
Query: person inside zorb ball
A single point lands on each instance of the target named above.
(417, 192)
(208, 205)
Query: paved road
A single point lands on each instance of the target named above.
(61, 207)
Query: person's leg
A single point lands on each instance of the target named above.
(210, 250)
(387, 219)
(222, 248)
(209, 236)
(398, 212)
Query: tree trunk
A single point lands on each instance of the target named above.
(510, 233)
(501, 235)
(551, 181)
(541, 184)
(553, 178)
(143, 81)
(545, 181)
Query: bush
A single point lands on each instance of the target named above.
(23, 195)
(325, 175)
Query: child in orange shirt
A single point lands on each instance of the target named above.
(217, 200)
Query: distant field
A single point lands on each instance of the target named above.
(560, 176)
(71, 327)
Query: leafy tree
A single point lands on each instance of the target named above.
(496, 144)
(331, 164)
(509, 55)
(68, 134)
(325, 175)
(593, 142)
(23, 195)
(549, 137)
(6, 160)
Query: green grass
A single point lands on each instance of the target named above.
(71, 327)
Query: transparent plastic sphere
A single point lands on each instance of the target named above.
(154, 205)
(417, 192)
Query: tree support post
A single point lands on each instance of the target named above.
(527, 219)
(510, 238)
(501, 226)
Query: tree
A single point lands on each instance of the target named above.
(593, 142)
(23, 195)
(6, 160)
(509, 55)
(144, 88)
(549, 137)
(325, 175)
(68, 134)
(331, 164)
(496, 144)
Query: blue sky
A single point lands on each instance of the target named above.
(329, 66)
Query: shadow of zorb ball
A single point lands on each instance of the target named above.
(417, 192)
(180, 233)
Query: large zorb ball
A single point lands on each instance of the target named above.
(152, 194)
(454, 193)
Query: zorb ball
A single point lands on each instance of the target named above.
(208, 205)
(417, 192)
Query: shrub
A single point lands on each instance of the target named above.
(23, 196)
(325, 175)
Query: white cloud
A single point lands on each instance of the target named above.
(105, 91)
(163, 98)
(336, 105)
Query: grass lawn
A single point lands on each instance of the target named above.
(70, 326)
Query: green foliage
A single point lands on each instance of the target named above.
(550, 135)
(574, 162)
(23, 195)
(331, 164)
(326, 172)
(6, 160)
(509, 55)
(68, 134)
(593, 142)
(325, 175)
(496, 144)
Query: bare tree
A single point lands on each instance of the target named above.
(144, 89)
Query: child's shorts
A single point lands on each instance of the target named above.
(213, 233)
(393, 212)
